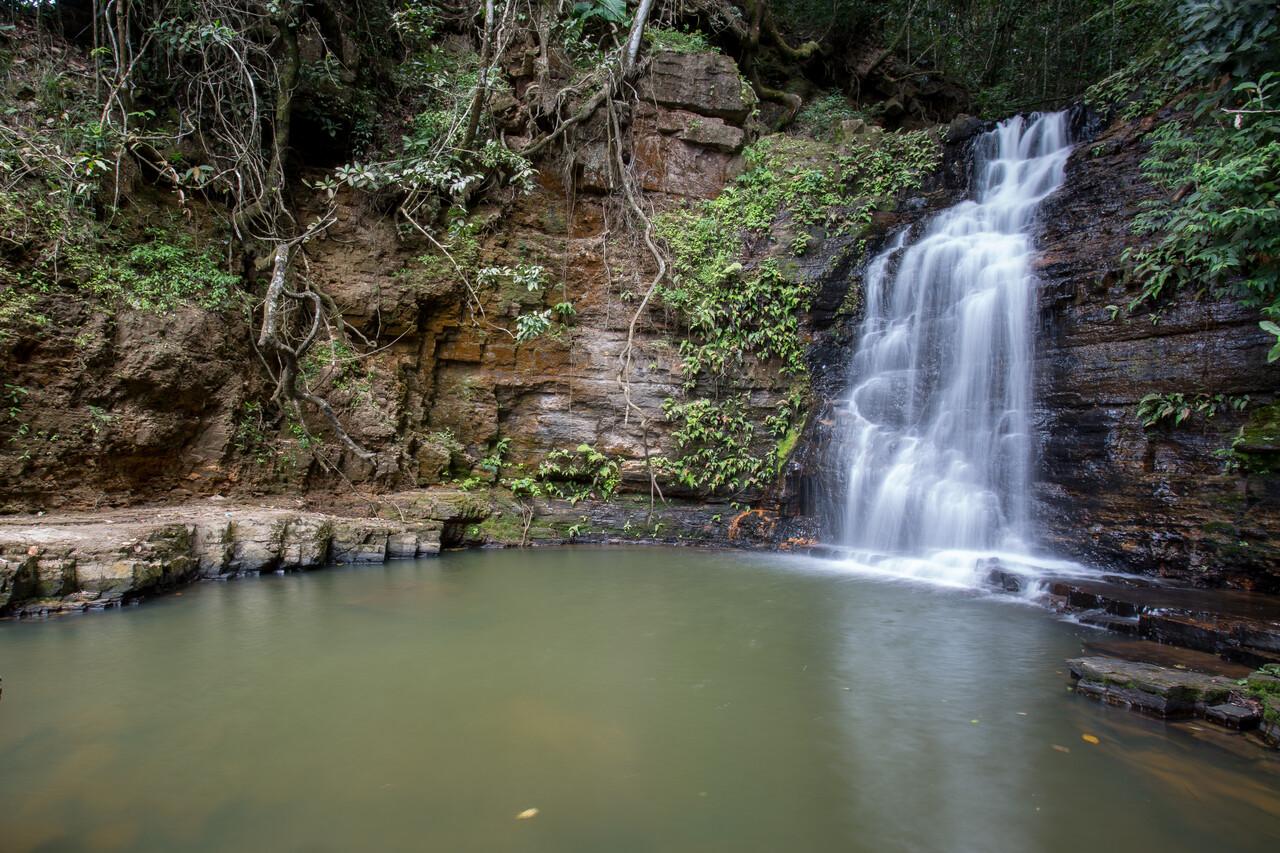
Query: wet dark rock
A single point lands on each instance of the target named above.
(1007, 581)
(1174, 657)
(1240, 704)
(1110, 491)
(1120, 624)
(1237, 626)
(1149, 688)
(1238, 717)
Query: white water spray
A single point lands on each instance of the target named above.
(936, 439)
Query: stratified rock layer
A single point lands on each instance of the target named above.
(1111, 491)
(71, 563)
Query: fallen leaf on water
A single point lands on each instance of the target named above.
(1089, 739)
(1060, 748)
(526, 814)
(975, 722)
(1022, 713)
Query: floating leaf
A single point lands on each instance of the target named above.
(1089, 739)
(526, 814)
(1060, 748)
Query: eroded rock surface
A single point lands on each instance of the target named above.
(70, 562)
(1111, 491)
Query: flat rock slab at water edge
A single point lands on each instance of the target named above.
(1156, 689)
(1241, 704)
(69, 563)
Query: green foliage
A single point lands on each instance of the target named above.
(737, 315)
(733, 311)
(527, 276)
(436, 165)
(159, 275)
(1222, 234)
(333, 365)
(679, 41)
(716, 442)
(1218, 229)
(605, 11)
(1233, 37)
(532, 325)
(492, 462)
(251, 438)
(1256, 447)
(740, 313)
(19, 311)
(822, 116)
(1272, 329)
(575, 475)
(1018, 56)
(1154, 409)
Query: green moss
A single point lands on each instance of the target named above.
(1256, 448)
(786, 445)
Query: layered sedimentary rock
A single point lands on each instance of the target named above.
(125, 406)
(75, 562)
(1112, 491)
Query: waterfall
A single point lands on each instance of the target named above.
(934, 436)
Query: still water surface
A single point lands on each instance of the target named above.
(639, 699)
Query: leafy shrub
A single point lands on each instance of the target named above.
(822, 116)
(1155, 408)
(159, 275)
(715, 440)
(1218, 230)
(575, 475)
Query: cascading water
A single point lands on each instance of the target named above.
(935, 436)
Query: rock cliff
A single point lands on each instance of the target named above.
(1111, 491)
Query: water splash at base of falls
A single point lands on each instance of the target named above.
(935, 437)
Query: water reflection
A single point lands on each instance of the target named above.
(640, 699)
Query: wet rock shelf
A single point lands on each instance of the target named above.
(57, 564)
(1237, 626)
(1242, 704)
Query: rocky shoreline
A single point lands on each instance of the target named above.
(74, 562)
(1179, 652)
(87, 561)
